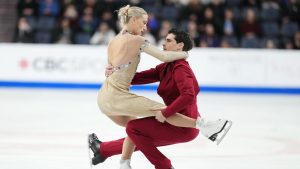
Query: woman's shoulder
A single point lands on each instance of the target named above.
(138, 39)
(134, 40)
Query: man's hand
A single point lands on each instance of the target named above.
(158, 115)
(109, 70)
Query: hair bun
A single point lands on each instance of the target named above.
(125, 11)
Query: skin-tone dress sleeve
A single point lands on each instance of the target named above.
(164, 56)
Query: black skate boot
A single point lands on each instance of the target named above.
(94, 145)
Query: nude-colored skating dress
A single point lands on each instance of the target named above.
(115, 99)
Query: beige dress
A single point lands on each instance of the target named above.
(115, 98)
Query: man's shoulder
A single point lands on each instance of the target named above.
(181, 62)
(160, 66)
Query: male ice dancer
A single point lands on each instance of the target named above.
(179, 88)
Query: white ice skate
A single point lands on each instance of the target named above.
(214, 130)
(125, 164)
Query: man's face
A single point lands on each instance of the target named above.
(170, 43)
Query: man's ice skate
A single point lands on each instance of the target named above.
(94, 146)
(214, 130)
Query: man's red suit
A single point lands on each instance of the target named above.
(178, 88)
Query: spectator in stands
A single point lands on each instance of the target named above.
(288, 44)
(297, 40)
(192, 30)
(71, 14)
(24, 32)
(64, 34)
(225, 44)
(270, 11)
(27, 8)
(103, 35)
(169, 11)
(209, 18)
(107, 17)
(269, 44)
(193, 9)
(218, 9)
(254, 4)
(87, 25)
(230, 29)
(209, 39)
(153, 24)
(163, 31)
(234, 21)
(288, 27)
(49, 8)
(292, 8)
(250, 27)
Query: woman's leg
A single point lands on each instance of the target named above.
(181, 120)
(121, 120)
(128, 149)
(128, 146)
(177, 119)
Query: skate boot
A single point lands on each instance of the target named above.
(125, 164)
(94, 145)
(214, 130)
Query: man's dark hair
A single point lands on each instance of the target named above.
(181, 36)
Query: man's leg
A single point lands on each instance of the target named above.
(111, 148)
(103, 150)
(148, 133)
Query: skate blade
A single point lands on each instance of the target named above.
(90, 157)
(224, 131)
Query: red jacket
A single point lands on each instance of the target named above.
(178, 86)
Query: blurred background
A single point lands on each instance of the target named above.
(211, 23)
(53, 54)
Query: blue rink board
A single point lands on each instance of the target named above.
(94, 86)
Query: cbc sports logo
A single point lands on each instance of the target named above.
(63, 64)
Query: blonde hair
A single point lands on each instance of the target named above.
(127, 12)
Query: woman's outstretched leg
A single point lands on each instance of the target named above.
(181, 120)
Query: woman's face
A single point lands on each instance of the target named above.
(140, 25)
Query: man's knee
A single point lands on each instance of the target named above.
(131, 127)
(190, 135)
(136, 126)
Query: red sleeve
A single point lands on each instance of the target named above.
(184, 80)
(147, 76)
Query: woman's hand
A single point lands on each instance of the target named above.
(109, 70)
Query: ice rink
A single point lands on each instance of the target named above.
(47, 129)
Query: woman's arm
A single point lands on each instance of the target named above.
(165, 56)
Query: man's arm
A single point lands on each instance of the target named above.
(184, 81)
(145, 77)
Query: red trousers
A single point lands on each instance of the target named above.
(148, 134)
